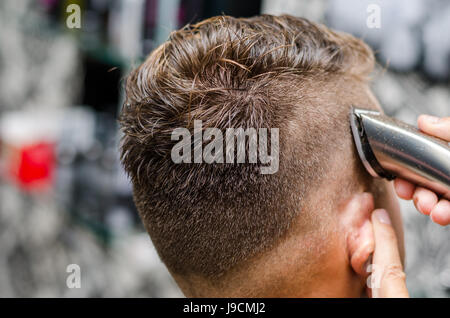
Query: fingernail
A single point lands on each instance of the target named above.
(367, 268)
(431, 119)
(382, 216)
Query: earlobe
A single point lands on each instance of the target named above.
(365, 245)
(357, 224)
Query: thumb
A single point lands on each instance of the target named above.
(438, 127)
(387, 276)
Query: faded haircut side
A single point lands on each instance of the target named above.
(260, 72)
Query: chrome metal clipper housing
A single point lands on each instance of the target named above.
(390, 148)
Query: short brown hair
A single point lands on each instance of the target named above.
(261, 72)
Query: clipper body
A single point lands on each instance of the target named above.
(390, 148)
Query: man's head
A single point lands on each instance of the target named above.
(226, 228)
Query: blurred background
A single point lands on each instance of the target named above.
(64, 198)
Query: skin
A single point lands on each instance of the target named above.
(387, 276)
(340, 260)
(368, 242)
(364, 249)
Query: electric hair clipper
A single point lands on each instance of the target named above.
(390, 148)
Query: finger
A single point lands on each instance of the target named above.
(438, 127)
(441, 212)
(424, 200)
(387, 271)
(404, 189)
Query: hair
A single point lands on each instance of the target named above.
(261, 72)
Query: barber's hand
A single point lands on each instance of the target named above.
(426, 201)
(386, 271)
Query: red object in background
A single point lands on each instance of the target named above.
(33, 166)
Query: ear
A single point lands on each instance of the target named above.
(355, 220)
